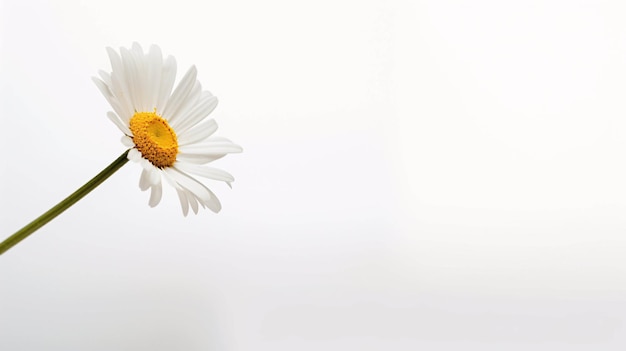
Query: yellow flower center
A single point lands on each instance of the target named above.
(154, 138)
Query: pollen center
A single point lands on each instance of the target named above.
(154, 138)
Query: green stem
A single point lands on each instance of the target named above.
(63, 205)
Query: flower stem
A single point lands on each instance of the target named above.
(63, 205)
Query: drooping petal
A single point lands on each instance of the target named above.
(214, 203)
(192, 185)
(144, 180)
(205, 171)
(155, 195)
(203, 194)
(193, 201)
(182, 193)
(155, 175)
(184, 203)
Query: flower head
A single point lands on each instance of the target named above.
(168, 131)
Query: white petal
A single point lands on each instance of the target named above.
(137, 50)
(185, 195)
(198, 159)
(143, 78)
(103, 87)
(198, 133)
(182, 196)
(189, 183)
(106, 77)
(180, 93)
(194, 203)
(155, 68)
(132, 80)
(108, 95)
(118, 122)
(134, 155)
(119, 86)
(207, 172)
(155, 175)
(211, 147)
(203, 194)
(155, 195)
(144, 182)
(114, 57)
(127, 141)
(203, 108)
(214, 203)
(168, 75)
(188, 104)
(145, 164)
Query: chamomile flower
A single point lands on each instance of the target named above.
(167, 128)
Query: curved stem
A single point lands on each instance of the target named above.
(63, 205)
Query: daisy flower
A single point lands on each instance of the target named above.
(166, 128)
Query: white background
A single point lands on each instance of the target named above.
(426, 175)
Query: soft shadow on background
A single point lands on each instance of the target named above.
(438, 175)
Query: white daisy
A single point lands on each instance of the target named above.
(168, 132)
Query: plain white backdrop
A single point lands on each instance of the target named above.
(416, 175)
